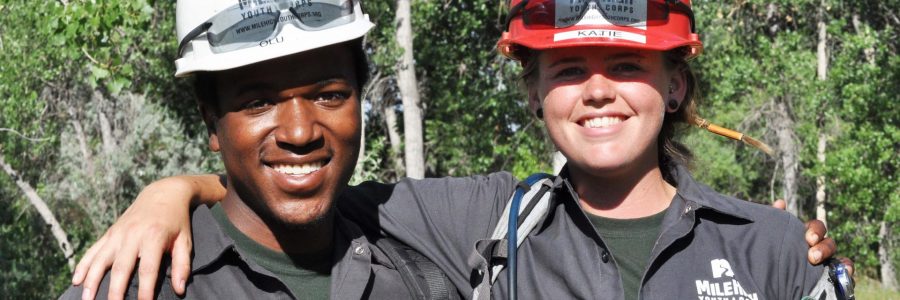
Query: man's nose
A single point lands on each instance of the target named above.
(296, 123)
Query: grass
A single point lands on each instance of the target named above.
(867, 289)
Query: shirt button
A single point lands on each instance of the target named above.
(604, 255)
(359, 250)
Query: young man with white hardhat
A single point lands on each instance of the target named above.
(278, 84)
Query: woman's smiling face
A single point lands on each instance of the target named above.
(604, 107)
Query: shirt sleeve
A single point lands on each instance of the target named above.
(440, 217)
(798, 276)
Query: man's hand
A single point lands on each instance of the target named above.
(821, 248)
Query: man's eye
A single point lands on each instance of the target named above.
(332, 97)
(256, 105)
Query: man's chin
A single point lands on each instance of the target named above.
(303, 218)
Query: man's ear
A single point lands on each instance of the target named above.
(209, 119)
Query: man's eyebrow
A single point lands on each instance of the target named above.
(253, 87)
(566, 60)
(326, 82)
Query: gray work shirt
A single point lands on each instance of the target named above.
(219, 271)
(710, 246)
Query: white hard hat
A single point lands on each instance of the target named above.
(195, 17)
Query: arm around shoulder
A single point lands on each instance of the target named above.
(796, 277)
(158, 221)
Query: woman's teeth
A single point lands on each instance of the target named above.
(602, 122)
(298, 169)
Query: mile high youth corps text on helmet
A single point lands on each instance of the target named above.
(217, 35)
(659, 25)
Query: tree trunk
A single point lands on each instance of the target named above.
(822, 72)
(788, 149)
(821, 49)
(414, 150)
(371, 94)
(821, 213)
(108, 135)
(869, 52)
(87, 157)
(62, 240)
(885, 248)
(390, 120)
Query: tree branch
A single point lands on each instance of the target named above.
(62, 239)
(22, 135)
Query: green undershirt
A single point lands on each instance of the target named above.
(308, 276)
(630, 242)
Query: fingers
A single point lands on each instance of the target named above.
(148, 269)
(848, 263)
(86, 260)
(97, 268)
(821, 248)
(779, 204)
(815, 232)
(122, 268)
(822, 251)
(181, 262)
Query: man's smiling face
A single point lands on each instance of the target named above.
(288, 130)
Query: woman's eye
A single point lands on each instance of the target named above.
(569, 73)
(626, 68)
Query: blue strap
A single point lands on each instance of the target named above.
(512, 232)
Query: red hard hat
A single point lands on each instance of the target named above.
(649, 24)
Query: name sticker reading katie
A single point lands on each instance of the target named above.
(600, 33)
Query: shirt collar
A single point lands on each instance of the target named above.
(695, 194)
(211, 243)
(704, 196)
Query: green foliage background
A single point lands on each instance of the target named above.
(69, 62)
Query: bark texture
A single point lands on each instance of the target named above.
(414, 147)
(821, 145)
(789, 152)
(888, 273)
(62, 239)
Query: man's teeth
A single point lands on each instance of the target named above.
(298, 169)
(602, 122)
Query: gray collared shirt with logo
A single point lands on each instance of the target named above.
(219, 271)
(710, 247)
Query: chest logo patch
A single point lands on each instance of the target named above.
(723, 285)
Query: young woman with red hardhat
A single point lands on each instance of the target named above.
(625, 219)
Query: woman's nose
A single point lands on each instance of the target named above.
(598, 88)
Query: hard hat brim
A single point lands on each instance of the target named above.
(199, 57)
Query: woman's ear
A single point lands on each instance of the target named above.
(677, 90)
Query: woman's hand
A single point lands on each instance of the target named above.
(157, 222)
